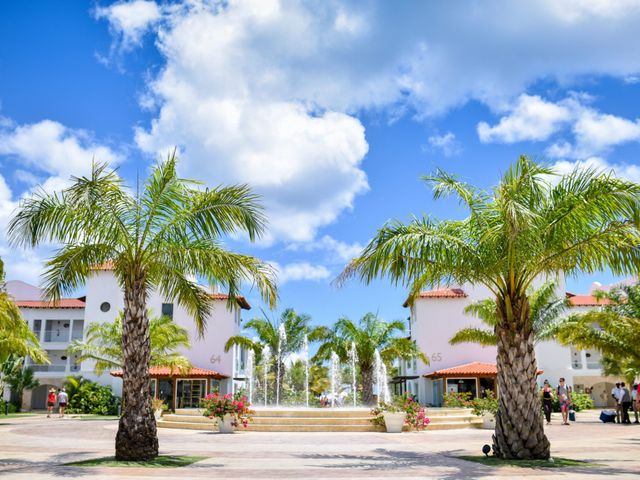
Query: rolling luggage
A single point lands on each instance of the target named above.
(608, 416)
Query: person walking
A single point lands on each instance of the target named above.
(63, 399)
(634, 401)
(564, 396)
(547, 400)
(616, 393)
(51, 401)
(625, 402)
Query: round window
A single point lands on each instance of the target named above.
(105, 307)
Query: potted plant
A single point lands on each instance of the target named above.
(229, 410)
(486, 407)
(158, 407)
(402, 411)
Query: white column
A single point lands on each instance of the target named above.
(583, 356)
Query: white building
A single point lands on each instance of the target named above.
(57, 325)
(437, 315)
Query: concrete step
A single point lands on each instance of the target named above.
(326, 412)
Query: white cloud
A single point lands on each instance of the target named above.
(596, 132)
(50, 148)
(531, 118)
(130, 20)
(300, 271)
(623, 170)
(338, 251)
(267, 92)
(446, 143)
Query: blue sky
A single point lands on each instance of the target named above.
(331, 110)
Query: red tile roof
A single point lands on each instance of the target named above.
(194, 372)
(586, 300)
(62, 303)
(468, 370)
(440, 293)
(242, 302)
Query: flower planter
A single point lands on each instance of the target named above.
(488, 421)
(157, 414)
(225, 425)
(394, 421)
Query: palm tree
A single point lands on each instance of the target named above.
(18, 378)
(103, 344)
(371, 333)
(533, 224)
(266, 332)
(16, 338)
(546, 309)
(162, 236)
(614, 330)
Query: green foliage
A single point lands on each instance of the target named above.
(557, 462)
(415, 414)
(18, 378)
(546, 309)
(296, 326)
(579, 401)
(457, 400)
(486, 404)
(86, 396)
(16, 338)
(614, 330)
(103, 344)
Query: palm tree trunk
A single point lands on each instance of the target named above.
(137, 436)
(367, 384)
(519, 423)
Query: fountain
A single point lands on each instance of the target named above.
(353, 358)
(335, 370)
(305, 358)
(282, 340)
(266, 358)
(381, 378)
(249, 372)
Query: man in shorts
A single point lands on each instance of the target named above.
(63, 399)
(564, 396)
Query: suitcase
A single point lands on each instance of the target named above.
(608, 416)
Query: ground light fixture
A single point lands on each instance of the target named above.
(486, 449)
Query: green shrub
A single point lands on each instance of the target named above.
(579, 401)
(487, 404)
(86, 396)
(457, 400)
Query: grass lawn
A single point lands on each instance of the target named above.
(91, 416)
(162, 461)
(557, 462)
(17, 415)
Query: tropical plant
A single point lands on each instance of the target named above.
(457, 400)
(216, 405)
(16, 338)
(534, 224)
(488, 404)
(545, 307)
(415, 414)
(579, 401)
(613, 329)
(371, 333)
(19, 379)
(267, 333)
(103, 344)
(160, 236)
(87, 396)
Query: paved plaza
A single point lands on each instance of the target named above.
(37, 448)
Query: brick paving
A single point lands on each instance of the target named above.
(36, 448)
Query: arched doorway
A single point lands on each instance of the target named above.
(601, 394)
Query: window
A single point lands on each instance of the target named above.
(167, 310)
(76, 332)
(105, 306)
(37, 327)
(56, 331)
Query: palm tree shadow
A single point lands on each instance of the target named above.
(458, 469)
